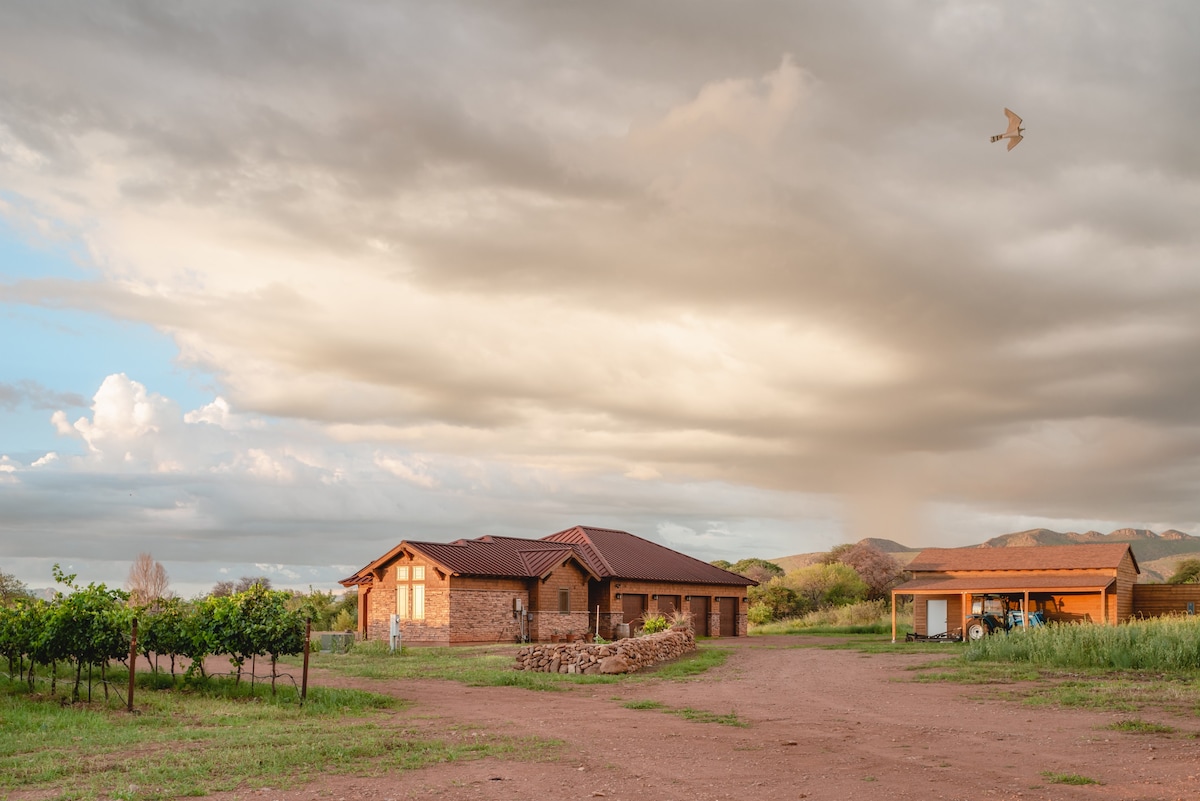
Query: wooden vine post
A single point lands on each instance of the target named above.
(304, 674)
(132, 662)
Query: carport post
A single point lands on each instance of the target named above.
(964, 616)
(894, 613)
(1025, 611)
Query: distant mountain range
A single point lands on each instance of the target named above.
(1156, 554)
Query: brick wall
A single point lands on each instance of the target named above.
(485, 613)
(549, 624)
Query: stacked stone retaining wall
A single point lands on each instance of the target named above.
(623, 656)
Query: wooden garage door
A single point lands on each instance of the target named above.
(668, 605)
(728, 608)
(699, 615)
(632, 607)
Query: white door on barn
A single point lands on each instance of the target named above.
(935, 612)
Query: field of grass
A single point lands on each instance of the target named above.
(491, 666)
(1152, 664)
(866, 617)
(1171, 643)
(219, 735)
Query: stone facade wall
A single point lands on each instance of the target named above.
(483, 611)
(623, 656)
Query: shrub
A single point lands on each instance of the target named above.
(776, 601)
(653, 623)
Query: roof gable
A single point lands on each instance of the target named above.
(1099, 556)
(509, 557)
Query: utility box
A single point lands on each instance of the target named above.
(394, 632)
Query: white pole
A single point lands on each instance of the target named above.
(597, 621)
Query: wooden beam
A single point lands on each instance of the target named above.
(894, 614)
(1025, 611)
(965, 603)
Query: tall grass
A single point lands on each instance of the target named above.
(864, 617)
(1171, 643)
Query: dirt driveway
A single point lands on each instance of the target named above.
(822, 724)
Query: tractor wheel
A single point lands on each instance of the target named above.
(976, 631)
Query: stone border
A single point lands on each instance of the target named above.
(623, 656)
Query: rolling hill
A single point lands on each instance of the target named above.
(1156, 554)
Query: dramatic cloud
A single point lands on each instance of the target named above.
(452, 262)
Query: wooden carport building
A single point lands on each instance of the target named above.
(1092, 582)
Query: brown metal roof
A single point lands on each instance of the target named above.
(1038, 557)
(1005, 583)
(603, 552)
(509, 557)
(619, 554)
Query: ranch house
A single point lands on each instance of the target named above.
(1093, 583)
(567, 586)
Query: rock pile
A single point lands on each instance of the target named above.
(623, 656)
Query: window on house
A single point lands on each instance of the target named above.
(418, 572)
(564, 600)
(401, 572)
(402, 603)
(418, 602)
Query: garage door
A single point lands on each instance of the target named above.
(728, 609)
(632, 607)
(700, 615)
(668, 605)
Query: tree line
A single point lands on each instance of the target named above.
(846, 575)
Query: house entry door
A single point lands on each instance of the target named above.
(935, 613)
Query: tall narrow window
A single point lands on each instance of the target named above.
(402, 602)
(418, 605)
(564, 600)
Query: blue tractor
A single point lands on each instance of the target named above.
(992, 613)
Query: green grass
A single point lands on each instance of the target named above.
(494, 666)
(701, 716)
(1159, 644)
(687, 713)
(644, 705)
(214, 738)
(1067, 778)
(1140, 727)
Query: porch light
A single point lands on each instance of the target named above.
(618, 596)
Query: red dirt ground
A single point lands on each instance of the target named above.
(823, 724)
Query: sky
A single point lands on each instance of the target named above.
(284, 283)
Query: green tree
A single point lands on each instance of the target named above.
(775, 600)
(879, 571)
(826, 585)
(1187, 571)
(89, 626)
(11, 589)
(760, 570)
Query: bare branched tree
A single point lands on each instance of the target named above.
(147, 581)
(246, 582)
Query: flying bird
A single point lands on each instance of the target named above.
(1013, 134)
